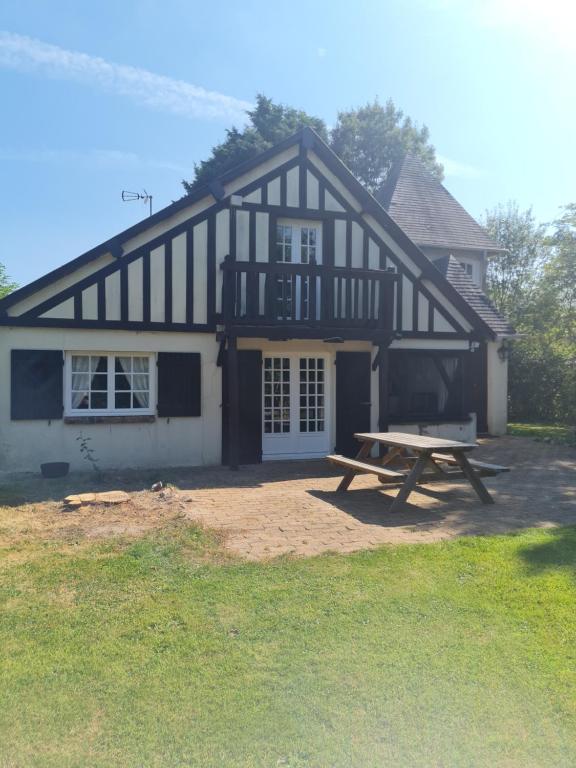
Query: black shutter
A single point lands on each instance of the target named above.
(353, 371)
(36, 384)
(179, 384)
(250, 384)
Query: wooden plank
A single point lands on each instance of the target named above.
(410, 482)
(415, 442)
(364, 451)
(496, 468)
(364, 467)
(473, 478)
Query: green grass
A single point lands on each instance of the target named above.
(555, 433)
(163, 653)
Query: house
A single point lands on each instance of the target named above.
(271, 314)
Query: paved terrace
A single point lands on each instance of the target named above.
(292, 507)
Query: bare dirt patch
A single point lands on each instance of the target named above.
(52, 520)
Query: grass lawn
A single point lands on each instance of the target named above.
(556, 433)
(163, 652)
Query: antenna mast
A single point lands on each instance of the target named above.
(129, 197)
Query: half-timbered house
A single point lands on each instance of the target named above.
(269, 315)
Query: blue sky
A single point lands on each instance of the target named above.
(100, 97)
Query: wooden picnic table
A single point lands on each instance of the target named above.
(422, 458)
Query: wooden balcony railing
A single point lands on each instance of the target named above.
(311, 295)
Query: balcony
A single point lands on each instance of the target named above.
(306, 300)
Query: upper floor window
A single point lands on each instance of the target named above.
(298, 242)
(101, 384)
(468, 268)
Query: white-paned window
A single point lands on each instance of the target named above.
(276, 395)
(308, 243)
(104, 384)
(298, 242)
(284, 242)
(312, 395)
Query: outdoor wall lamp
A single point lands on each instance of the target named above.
(504, 350)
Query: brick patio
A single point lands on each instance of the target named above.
(293, 507)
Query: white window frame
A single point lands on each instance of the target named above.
(69, 411)
(472, 269)
(297, 226)
(296, 443)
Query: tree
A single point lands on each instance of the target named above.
(371, 138)
(558, 284)
(368, 140)
(534, 283)
(513, 276)
(268, 124)
(6, 285)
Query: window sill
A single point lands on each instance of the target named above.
(140, 419)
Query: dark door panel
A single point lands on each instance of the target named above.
(353, 371)
(250, 384)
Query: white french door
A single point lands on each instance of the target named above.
(295, 407)
(297, 242)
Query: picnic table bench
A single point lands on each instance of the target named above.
(421, 459)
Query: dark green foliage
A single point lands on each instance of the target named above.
(6, 285)
(534, 284)
(371, 138)
(512, 277)
(542, 382)
(268, 124)
(368, 139)
(558, 285)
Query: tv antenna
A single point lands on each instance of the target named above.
(130, 197)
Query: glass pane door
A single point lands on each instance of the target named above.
(295, 406)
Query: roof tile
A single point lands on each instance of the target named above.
(427, 212)
(450, 267)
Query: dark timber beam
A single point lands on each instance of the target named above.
(233, 404)
(383, 368)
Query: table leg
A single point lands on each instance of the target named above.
(393, 453)
(410, 482)
(473, 478)
(364, 451)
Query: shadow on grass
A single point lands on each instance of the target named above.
(559, 551)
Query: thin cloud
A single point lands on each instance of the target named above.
(549, 23)
(459, 170)
(322, 52)
(26, 54)
(90, 158)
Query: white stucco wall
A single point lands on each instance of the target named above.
(465, 431)
(24, 445)
(497, 390)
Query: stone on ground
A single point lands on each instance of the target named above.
(106, 497)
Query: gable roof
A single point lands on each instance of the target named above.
(452, 270)
(306, 138)
(427, 212)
